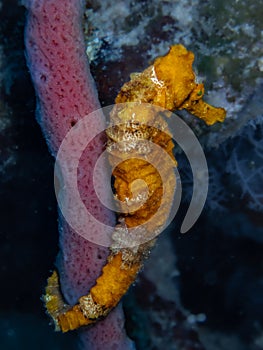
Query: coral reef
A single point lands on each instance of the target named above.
(216, 269)
(225, 37)
(246, 163)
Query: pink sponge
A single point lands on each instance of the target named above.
(58, 65)
(66, 93)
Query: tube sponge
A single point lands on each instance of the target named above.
(65, 93)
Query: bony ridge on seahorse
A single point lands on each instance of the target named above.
(168, 83)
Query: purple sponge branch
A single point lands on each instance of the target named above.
(66, 93)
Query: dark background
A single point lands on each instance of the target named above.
(217, 267)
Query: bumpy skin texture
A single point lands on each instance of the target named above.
(129, 170)
(170, 84)
(65, 93)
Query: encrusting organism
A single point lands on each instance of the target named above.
(168, 83)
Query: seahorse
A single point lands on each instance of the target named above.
(170, 84)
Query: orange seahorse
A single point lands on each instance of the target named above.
(170, 84)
